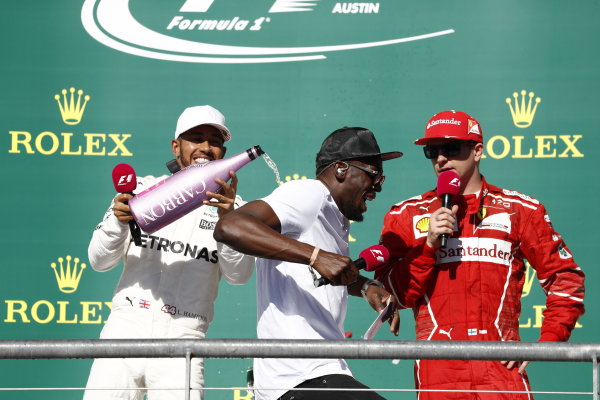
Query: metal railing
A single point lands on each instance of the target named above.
(254, 348)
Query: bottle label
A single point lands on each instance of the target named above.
(170, 202)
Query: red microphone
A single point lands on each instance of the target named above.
(370, 259)
(448, 186)
(125, 181)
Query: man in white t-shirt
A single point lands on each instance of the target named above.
(307, 222)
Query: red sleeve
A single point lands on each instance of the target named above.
(561, 279)
(411, 261)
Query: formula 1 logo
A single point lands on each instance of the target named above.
(378, 255)
(215, 31)
(455, 182)
(125, 179)
(278, 5)
(292, 5)
(196, 5)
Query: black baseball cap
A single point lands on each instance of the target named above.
(350, 143)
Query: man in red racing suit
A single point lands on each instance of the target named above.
(471, 289)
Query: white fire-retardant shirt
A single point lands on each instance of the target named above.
(288, 304)
(171, 281)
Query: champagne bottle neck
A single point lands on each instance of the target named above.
(255, 152)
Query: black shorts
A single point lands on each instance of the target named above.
(331, 381)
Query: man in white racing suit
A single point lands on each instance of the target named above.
(169, 284)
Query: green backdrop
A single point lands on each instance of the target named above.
(285, 73)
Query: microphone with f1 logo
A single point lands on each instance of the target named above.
(369, 259)
(125, 181)
(448, 186)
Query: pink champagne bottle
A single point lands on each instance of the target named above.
(184, 191)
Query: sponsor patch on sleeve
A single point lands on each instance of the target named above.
(563, 253)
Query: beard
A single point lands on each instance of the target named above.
(354, 214)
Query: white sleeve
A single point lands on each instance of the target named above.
(236, 267)
(296, 204)
(109, 243)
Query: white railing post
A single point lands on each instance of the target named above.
(595, 375)
(188, 373)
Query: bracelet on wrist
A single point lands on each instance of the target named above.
(366, 284)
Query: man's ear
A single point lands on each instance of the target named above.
(175, 147)
(478, 151)
(224, 150)
(340, 169)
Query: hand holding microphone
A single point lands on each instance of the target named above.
(125, 181)
(448, 186)
(369, 259)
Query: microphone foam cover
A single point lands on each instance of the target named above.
(375, 257)
(448, 183)
(124, 179)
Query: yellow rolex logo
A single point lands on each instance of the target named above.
(68, 276)
(71, 110)
(524, 111)
(72, 104)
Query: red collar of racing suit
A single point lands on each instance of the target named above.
(472, 203)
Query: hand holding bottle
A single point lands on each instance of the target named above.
(223, 199)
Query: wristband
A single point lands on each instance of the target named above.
(313, 257)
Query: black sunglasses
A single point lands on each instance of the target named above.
(378, 179)
(450, 149)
